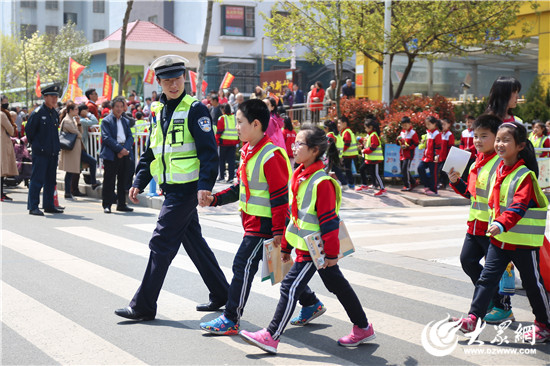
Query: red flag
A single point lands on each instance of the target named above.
(37, 87)
(193, 81)
(107, 86)
(74, 71)
(227, 80)
(149, 76)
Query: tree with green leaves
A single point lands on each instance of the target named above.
(419, 29)
(320, 26)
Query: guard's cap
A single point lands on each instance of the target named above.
(54, 89)
(169, 66)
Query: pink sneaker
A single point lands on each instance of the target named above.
(467, 324)
(357, 336)
(429, 192)
(361, 188)
(542, 333)
(261, 339)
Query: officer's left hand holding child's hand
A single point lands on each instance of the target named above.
(330, 262)
(205, 198)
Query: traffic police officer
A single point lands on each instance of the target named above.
(181, 155)
(43, 134)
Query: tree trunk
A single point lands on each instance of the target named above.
(404, 78)
(204, 48)
(129, 4)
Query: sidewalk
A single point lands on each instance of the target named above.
(350, 200)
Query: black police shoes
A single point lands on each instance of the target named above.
(36, 212)
(94, 186)
(106, 210)
(130, 313)
(53, 210)
(210, 306)
(124, 208)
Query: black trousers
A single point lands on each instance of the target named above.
(44, 169)
(431, 180)
(294, 287)
(178, 224)
(227, 154)
(527, 262)
(347, 167)
(115, 170)
(474, 248)
(372, 171)
(408, 180)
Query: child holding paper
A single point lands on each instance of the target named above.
(476, 188)
(314, 204)
(262, 193)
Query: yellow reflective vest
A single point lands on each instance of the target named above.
(479, 206)
(229, 128)
(259, 203)
(538, 142)
(307, 221)
(175, 153)
(352, 150)
(377, 154)
(529, 231)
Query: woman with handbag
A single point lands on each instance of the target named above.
(8, 166)
(70, 159)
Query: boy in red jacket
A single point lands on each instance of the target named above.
(408, 140)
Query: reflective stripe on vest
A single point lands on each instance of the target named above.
(352, 150)
(307, 221)
(479, 208)
(377, 154)
(530, 229)
(229, 128)
(175, 153)
(339, 143)
(259, 203)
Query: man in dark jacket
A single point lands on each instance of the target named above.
(116, 146)
(42, 132)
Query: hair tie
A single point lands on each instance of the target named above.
(509, 124)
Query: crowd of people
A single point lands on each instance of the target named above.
(283, 171)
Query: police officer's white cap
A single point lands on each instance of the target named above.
(169, 66)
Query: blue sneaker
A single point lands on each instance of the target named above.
(497, 316)
(308, 313)
(220, 326)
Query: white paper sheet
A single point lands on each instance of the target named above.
(457, 159)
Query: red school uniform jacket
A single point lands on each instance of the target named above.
(410, 138)
(447, 141)
(290, 138)
(467, 141)
(433, 146)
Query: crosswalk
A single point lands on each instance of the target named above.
(60, 288)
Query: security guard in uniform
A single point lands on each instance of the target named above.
(43, 134)
(181, 155)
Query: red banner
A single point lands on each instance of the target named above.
(193, 81)
(107, 86)
(37, 87)
(73, 91)
(227, 80)
(149, 77)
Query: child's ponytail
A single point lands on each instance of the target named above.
(519, 132)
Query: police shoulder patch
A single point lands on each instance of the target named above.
(194, 103)
(205, 124)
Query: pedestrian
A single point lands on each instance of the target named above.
(289, 136)
(518, 220)
(262, 193)
(8, 128)
(227, 138)
(539, 138)
(69, 160)
(92, 96)
(503, 98)
(373, 157)
(331, 93)
(310, 213)
(116, 146)
(181, 133)
(348, 90)
(408, 141)
(317, 97)
(215, 109)
(258, 93)
(274, 130)
(447, 141)
(350, 149)
(335, 162)
(298, 100)
(467, 143)
(431, 155)
(42, 132)
(233, 99)
(476, 188)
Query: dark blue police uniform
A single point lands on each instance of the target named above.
(43, 135)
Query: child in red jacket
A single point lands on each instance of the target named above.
(408, 140)
(431, 156)
(447, 141)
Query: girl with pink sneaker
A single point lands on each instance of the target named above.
(309, 215)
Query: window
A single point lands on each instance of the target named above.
(28, 4)
(51, 30)
(99, 6)
(238, 21)
(70, 17)
(153, 19)
(99, 35)
(27, 30)
(52, 5)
